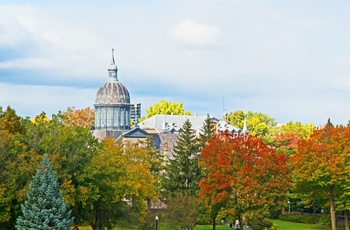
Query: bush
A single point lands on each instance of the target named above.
(306, 219)
(325, 220)
(261, 224)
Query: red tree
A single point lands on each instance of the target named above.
(242, 176)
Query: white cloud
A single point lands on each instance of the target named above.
(189, 33)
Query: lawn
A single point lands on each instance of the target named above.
(282, 225)
(286, 225)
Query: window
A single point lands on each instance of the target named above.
(109, 117)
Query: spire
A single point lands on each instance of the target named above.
(113, 69)
(245, 129)
(113, 62)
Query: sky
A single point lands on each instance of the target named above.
(287, 59)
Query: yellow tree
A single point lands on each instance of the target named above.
(123, 180)
(167, 108)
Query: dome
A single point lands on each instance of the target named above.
(112, 92)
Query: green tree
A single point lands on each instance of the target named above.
(16, 166)
(181, 212)
(10, 121)
(45, 208)
(166, 108)
(183, 173)
(157, 165)
(258, 124)
(206, 132)
(70, 148)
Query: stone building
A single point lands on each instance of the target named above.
(113, 112)
(112, 106)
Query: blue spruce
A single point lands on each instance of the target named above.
(44, 208)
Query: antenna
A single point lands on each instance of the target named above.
(223, 105)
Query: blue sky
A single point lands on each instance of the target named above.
(288, 59)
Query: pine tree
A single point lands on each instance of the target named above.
(183, 173)
(206, 132)
(44, 208)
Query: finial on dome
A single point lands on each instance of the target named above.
(113, 56)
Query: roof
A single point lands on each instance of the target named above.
(172, 123)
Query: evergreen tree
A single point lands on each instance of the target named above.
(206, 132)
(44, 207)
(183, 173)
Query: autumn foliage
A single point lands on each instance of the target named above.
(242, 176)
(321, 166)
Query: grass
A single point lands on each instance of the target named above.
(282, 225)
(207, 227)
(286, 225)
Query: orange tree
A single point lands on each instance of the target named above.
(78, 117)
(243, 177)
(321, 166)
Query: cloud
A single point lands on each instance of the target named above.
(192, 34)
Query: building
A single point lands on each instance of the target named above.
(113, 113)
(112, 106)
(135, 112)
(166, 129)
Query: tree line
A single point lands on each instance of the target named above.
(210, 178)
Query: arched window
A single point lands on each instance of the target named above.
(103, 117)
(109, 117)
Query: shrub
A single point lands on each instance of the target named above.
(306, 219)
(261, 224)
(325, 220)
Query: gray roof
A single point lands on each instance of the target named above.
(172, 123)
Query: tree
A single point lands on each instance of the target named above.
(157, 165)
(183, 173)
(243, 176)
(181, 211)
(10, 121)
(322, 165)
(16, 166)
(302, 131)
(44, 208)
(206, 132)
(258, 124)
(121, 175)
(78, 117)
(165, 107)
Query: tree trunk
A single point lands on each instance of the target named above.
(214, 223)
(314, 207)
(332, 208)
(240, 222)
(96, 224)
(346, 220)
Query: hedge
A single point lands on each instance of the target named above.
(306, 219)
